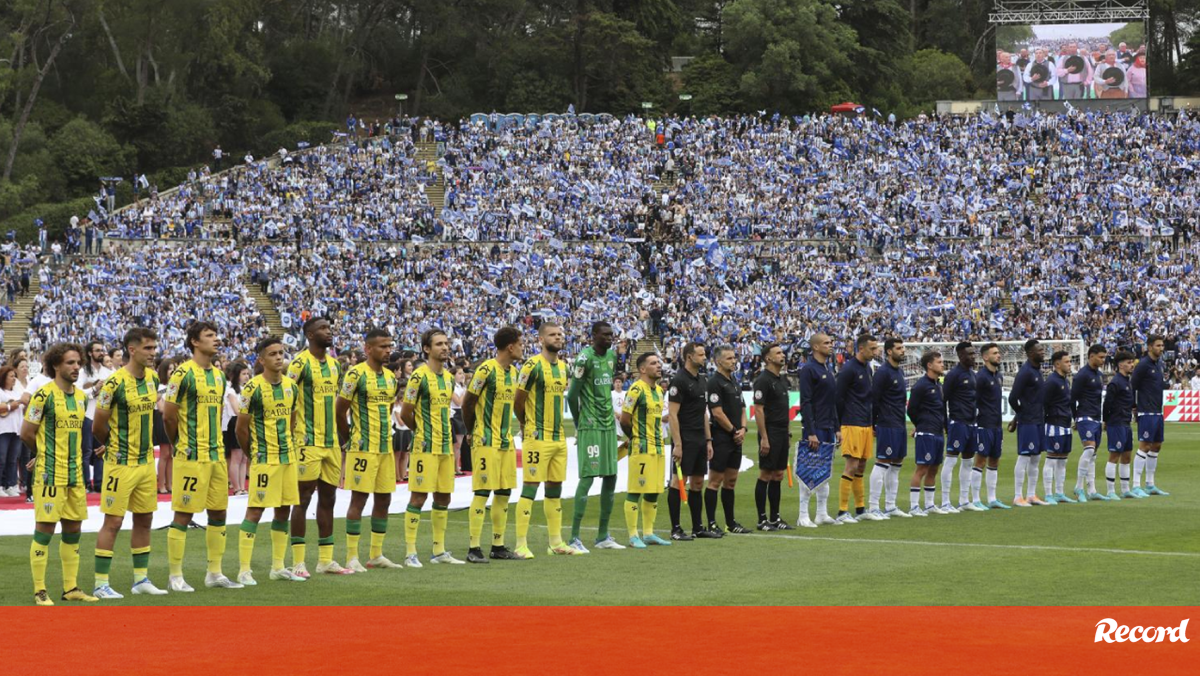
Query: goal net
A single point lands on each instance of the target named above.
(1012, 355)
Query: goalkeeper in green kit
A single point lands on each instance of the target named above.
(590, 399)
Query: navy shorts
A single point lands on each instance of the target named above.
(929, 449)
(1089, 430)
(1058, 444)
(891, 444)
(989, 443)
(960, 438)
(1150, 428)
(1029, 439)
(1120, 439)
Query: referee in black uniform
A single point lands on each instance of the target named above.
(774, 439)
(727, 413)
(691, 445)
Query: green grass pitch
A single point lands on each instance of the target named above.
(1135, 552)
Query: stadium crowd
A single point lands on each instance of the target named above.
(1077, 174)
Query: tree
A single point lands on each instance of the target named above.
(793, 55)
(937, 76)
(713, 84)
(52, 27)
(83, 151)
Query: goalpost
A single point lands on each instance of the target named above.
(1012, 355)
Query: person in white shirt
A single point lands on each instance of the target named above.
(91, 379)
(618, 400)
(1195, 382)
(10, 429)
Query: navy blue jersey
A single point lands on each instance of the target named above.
(1147, 383)
(1026, 395)
(818, 397)
(958, 388)
(854, 394)
(1086, 388)
(1056, 400)
(889, 392)
(1118, 402)
(926, 408)
(989, 391)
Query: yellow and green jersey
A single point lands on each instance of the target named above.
(546, 385)
(200, 395)
(644, 404)
(270, 408)
(130, 402)
(59, 417)
(429, 393)
(318, 382)
(371, 395)
(496, 388)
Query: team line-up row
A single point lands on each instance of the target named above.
(297, 420)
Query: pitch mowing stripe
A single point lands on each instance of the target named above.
(983, 545)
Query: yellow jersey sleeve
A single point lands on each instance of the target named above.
(175, 386)
(529, 376)
(351, 384)
(480, 380)
(295, 369)
(36, 410)
(412, 390)
(247, 398)
(632, 398)
(108, 392)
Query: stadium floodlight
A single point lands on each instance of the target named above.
(647, 105)
(401, 97)
(685, 97)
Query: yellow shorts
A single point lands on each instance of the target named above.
(52, 504)
(493, 469)
(274, 485)
(129, 488)
(320, 463)
(544, 461)
(646, 472)
(431, 473)
(197, 486)
(371, 472)
(857, 442)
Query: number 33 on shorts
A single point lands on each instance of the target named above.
(544, 461)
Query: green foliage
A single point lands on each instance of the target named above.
(56, 216)
(1133, 34)
(83, 150)
(934, 75)
(1010, 37)
(313, 133)
(713, 84)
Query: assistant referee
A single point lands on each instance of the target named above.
(691, 442)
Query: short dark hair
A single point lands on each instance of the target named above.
(549, 323)
(1125, 355)
(1155, 338)
(1030, 344)
(1097, 349)
(55, 356)
(643, 357)
(863, 340)
(505, 336)
(1058, 354)
(262, 345)
(987, 346)
(194, 330)
(599, 326)
(766, 349)
(962, 346)
(892, 342)
(427, 338)
(929, 357)
(137, 334)
(376, 332)
(312, 321)
(690, 348)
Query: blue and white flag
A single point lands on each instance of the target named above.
(813, 468)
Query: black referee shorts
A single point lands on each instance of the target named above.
(726, 454)
(777, 458)
(695, 453)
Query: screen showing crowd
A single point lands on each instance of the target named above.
(1067, 62)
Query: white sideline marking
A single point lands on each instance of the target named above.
(984, 545)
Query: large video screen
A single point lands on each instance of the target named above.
(1068, 62)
